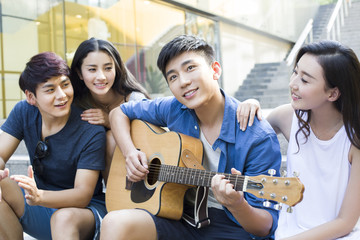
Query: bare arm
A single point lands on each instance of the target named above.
(79, 196)
(350, 209)
(7, 147)
(280, 119)
(136, 161)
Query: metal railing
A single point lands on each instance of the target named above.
(305, 37)
(337, 19)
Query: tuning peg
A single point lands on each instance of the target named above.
(278, 206)
(266, 204)
(289, 209)
(283, 173)
(296, 174)
(271, 172)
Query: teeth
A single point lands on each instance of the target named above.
(189, 93)
(100, 84)
(294, 95)
(62, 104)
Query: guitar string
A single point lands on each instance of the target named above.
(199, 173)
(236, 180)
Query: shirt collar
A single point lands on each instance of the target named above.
(227, 132)
(228, 126)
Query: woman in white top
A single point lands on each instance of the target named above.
(322, 125)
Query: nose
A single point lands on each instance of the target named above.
(100, 75)
(60, 93)
(184, 80)
(293, 82)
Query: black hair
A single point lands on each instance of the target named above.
(125, 83)
(341, 69)
(184, 43)
(40, 69)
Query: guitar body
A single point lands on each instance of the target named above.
(159, 198)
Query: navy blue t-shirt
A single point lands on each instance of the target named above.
(78, 145)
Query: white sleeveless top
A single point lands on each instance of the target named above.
(324, 170)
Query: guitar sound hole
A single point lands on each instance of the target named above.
(154, 170)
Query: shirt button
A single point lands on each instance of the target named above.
(195, 127)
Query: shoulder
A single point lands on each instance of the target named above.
(24, 111)
(21, 118)
(76, 122)
(24, 105)
(157, 102)
(281, 118)
(134, 96)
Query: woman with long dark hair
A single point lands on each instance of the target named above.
(322, 125)
(102, 82)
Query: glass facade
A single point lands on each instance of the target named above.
(138, 28)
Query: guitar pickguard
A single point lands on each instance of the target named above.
(140, 193)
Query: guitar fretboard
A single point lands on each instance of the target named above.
(198, 177)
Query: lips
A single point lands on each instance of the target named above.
(294, 96)
(190, 93)
(61, 104)
(100, 85)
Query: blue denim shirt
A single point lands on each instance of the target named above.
(253, 152)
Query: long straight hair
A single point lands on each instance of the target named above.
(341, 69)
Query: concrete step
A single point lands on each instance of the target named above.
(18, 164)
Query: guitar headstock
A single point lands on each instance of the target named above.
(287, 190)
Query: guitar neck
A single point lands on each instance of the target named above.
(198, 177)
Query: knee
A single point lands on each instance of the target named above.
(117, 223)
(114, 218)
(62, 219)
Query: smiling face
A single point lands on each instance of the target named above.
(98, 73)
(53, 97)
(308, 85)
(192, 80)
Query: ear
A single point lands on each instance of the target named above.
(334, 94)
(30, 97)
(217, 70)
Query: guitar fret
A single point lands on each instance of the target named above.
(173, 174)
(169, 174)
(235, 184)
(185, 175)
(191, 176)
(181, 175)
(203, 178)
(198, 177)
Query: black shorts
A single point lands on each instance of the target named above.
(220, 228)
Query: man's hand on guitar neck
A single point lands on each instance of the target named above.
(136, 165)
(224, 190)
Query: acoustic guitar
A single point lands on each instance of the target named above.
(174, 166)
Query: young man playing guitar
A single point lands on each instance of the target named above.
(202, 110)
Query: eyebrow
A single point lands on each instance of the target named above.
(94, 65)
(306, 73)
(47, 85)
(182, 64)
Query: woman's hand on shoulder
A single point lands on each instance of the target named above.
(246, 112)
(96, 116)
